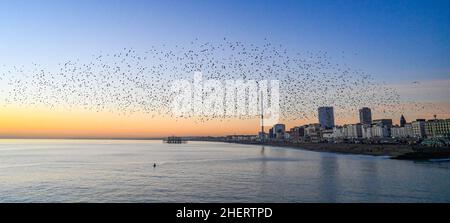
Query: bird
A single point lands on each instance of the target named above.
(130, 81)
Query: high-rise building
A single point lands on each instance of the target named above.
(365, 116)
(279, 130)
(402, 121)
(326, 117)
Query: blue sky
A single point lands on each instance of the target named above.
(395, 41)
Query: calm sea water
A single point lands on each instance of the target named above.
(122, 171)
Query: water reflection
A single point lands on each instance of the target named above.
(370, 182)
(263, 162)
(329, 183)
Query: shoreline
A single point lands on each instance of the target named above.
(400, 152)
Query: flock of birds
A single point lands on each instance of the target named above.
(132, 81)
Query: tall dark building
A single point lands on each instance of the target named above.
(365, 116)
(402, 121)
(326, 117)
(271, 133)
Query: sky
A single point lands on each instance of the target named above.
(397, 42)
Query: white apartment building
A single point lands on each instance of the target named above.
(402, 132)
(418, 128)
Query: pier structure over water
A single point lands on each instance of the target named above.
(174, 140)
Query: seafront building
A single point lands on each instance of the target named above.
(271, 135)
(328, 135)
(437, 128)
(241, 138)
(402, 132)
(338, 132)
(371, 131)
(354, 131)
(365, 116)
(326, 117)
(367, 131)
(297, 133)
(380, 130)
(313, 132)
(279, 131)
(418, 128)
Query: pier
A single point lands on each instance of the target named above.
(174, 140)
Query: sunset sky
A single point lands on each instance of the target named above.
(397, 43)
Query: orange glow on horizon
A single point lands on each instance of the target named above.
(21, 122)
(42, 122)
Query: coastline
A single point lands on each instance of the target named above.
(394, 151)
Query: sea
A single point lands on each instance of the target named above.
(101, 171)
